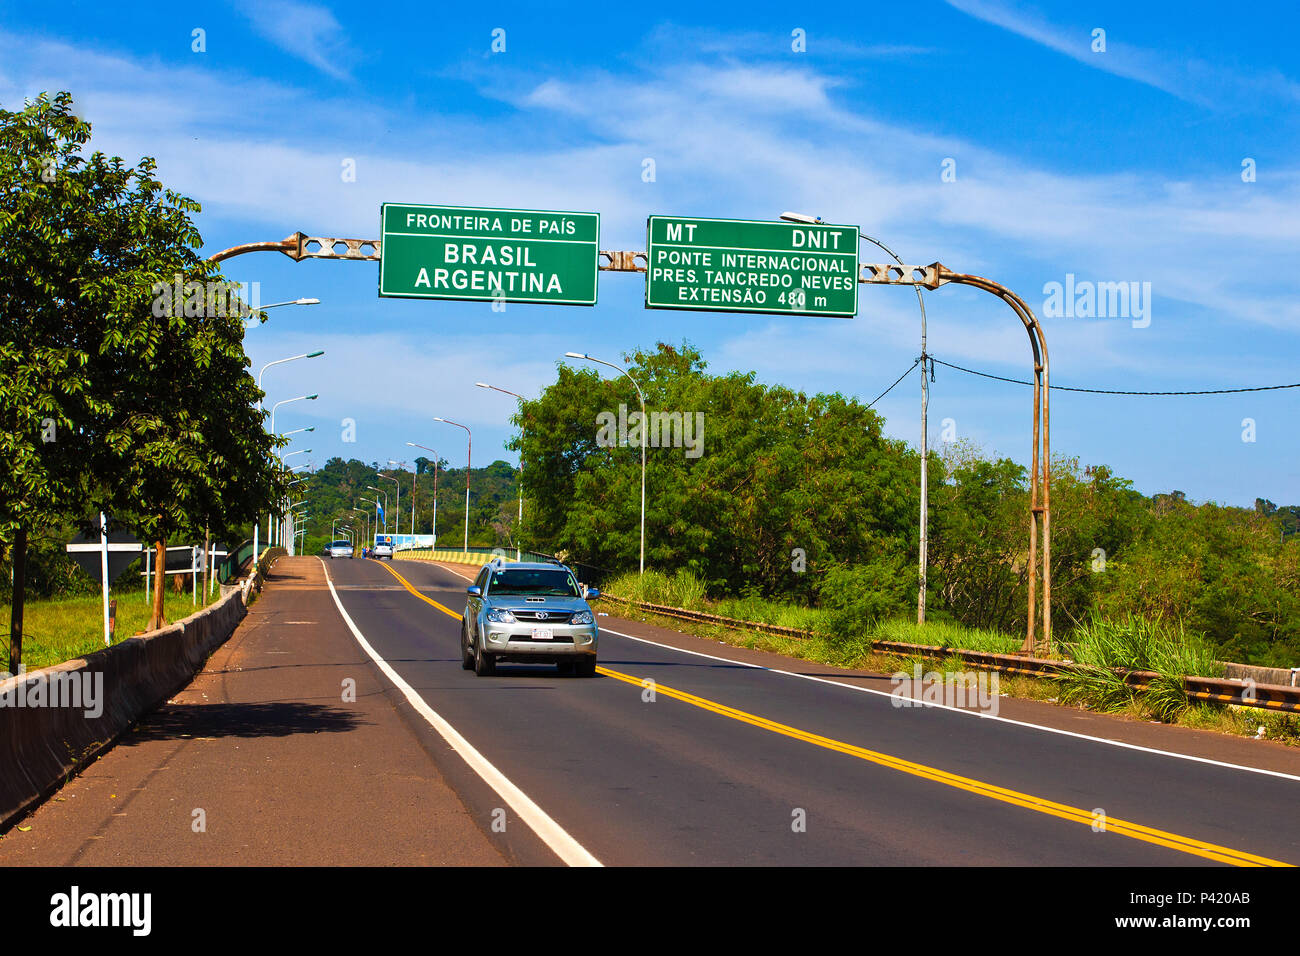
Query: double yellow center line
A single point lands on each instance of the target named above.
(1135, 831)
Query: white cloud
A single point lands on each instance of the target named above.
(1186, 77)
(305, 30)
(719, 151)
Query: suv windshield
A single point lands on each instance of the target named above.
(553, 583)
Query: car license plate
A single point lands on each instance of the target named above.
(543, 633)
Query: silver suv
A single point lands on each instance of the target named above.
(530, 612)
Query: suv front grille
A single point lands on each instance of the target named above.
(542, 617)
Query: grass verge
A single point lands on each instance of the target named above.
(1099, 646)
(61, 629)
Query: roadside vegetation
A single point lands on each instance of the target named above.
(124, 385)
(60, 629)
(798, 509)
(1099, 645)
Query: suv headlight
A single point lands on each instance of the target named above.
(500, 616)
(582, 617)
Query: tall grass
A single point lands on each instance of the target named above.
(60, 629)
(945, 634)
(680, 589)
(763, 611)
(1099, 646)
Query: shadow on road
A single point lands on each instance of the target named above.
(177, 721)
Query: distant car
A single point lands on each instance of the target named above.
(529, 612)
(339, 549)
(383, 547)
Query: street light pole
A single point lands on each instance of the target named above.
(289, 525)
(468, 459)
(397, 503)
(300, 398)
(257, 522)
(270, 518)
(375, 502)
(353, 513)
(249, 323)
(435, 489)
(1040, 472)
(380, 491)
(645, 426)
(518, 551)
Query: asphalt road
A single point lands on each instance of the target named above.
(736, 765)
(337, 727)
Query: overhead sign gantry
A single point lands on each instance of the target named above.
(554, 257)
(507, 255)
(740, 265)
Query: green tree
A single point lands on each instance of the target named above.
(50, 297)
(111, 402)
(771, 471)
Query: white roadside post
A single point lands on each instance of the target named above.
(103, 568)
(103, 547)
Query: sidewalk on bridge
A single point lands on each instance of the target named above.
(264, 752)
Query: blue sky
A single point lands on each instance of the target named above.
(1122, 165)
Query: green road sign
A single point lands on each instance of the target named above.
(738, 265)
(506, 255)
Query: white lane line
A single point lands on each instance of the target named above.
(968, 713)
(959, 710)
(569, 850)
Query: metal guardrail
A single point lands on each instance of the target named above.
(1275, 697)
(229, 566)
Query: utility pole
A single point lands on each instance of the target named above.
(923, 548)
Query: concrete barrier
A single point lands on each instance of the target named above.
(1285, 676)
(53, 721)
(449, 556)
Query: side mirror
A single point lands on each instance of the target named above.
(593, 593)
(474, 591)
